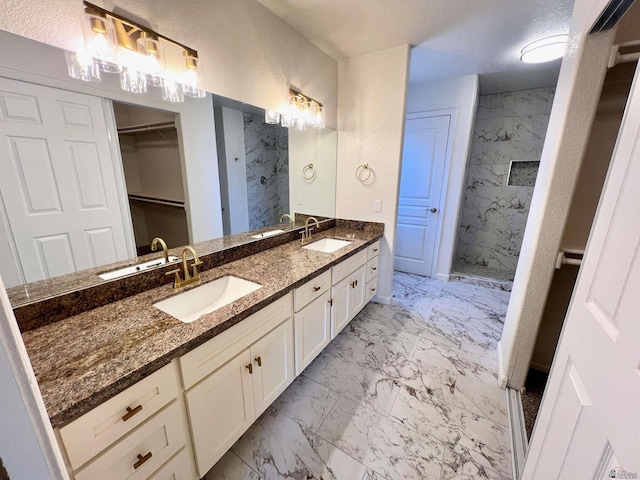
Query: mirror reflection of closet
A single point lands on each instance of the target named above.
(153, 175)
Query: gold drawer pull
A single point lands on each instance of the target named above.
(141, 460)
(315, 289)
(259, 361)
(131, 412)
(250, 368)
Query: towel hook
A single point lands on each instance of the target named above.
(308, 172)
(362, 168)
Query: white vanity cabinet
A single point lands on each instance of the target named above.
(235, 376)
(372, 270)
(131, 435)
(348, 290)
(312, 319)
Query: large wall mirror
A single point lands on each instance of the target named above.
(90, 174)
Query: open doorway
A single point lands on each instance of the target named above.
(150, 152)
(593, 171)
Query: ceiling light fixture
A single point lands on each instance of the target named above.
(545, 49)
(142, 57)
(301, 112)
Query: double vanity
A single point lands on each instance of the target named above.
(135, 392)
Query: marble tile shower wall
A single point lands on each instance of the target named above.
(509, 126)
(267, 156)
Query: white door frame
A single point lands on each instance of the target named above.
(451, 112)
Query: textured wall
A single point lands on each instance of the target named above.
(267, 157)
(371, 100)
(510, 126)
(248, 53)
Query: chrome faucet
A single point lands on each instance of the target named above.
(306, 234)
(289, 217)
(188, 278)
(154, 247)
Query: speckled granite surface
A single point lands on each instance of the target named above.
(39, 303)
(85, 359)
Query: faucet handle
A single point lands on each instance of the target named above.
(177, 279)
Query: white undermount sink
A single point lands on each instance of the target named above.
(327, 245)
(268, 233)
(136, 268)
(191, 305)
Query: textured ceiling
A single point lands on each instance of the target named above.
(450, 37)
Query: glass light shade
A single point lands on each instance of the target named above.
(100, 42)
(193, 79)
(81, 67)
(318, 121)
(286, 120)
(172, 91)
(271, 117)
(153, 60)
(133, 80)
(545, 49)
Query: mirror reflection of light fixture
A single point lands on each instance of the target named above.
(545, 49)
(142, 57)
(301, 112)
(271, 117)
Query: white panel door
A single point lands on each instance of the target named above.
(423, 161)
(589, 423)
(58, 182)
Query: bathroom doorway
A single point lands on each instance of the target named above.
(150, 151)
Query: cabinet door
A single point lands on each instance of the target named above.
(357, 291)
(273, 365)
(340, 308)
(220, 410)
(312, 329)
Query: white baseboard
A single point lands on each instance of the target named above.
(503, 379)
(540, 367)
(442, 277)
(384, 300)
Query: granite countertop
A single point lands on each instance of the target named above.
(84, 360)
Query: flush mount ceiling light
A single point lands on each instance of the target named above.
(142, 57)
(545, 49)
(302, 112)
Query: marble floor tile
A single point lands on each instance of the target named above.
(468, 465)
(307, 402)
(455, 360)
(230, 467)
(490, 439)
(372, 388)
(279, 448)
(481, 398)
(383, 445)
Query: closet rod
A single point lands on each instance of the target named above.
(159, 201)
(150, 127)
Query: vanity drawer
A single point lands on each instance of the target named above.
(372, 288)
(311, 290)
(373, 250)
(372, 268)
(156, 440)
(96, 430)
(208, 357)
(349, 266)
(180, 467)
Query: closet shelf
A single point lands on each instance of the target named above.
(159, 201)
(147, 127)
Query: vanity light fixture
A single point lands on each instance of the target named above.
(545, 49)
(301, 112)
(142, 57)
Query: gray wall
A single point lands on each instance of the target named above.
(509, 127)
